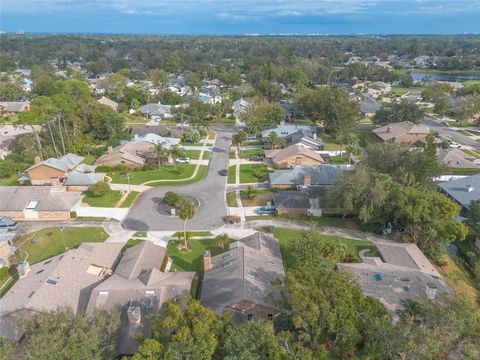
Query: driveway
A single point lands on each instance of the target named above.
(209, 192)
(437, 126)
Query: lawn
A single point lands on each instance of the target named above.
(202, 170)
(225, 121)
(254, 143)
(176, 171)
(191, 234)
(107, 200)
(458, 278)
(472, 153)
(285, 237)
(231, 174)
(130, 199)
(207, 155)
(231, 199)
(249, 175)
(246, 154)
(89, 159)
(192, 154)
(471, 83)
(339, 160)
(329, 146)
(262, 197)
(463, 132)
(48, 242)
(9, 181)
(366, 138)
(460, 171)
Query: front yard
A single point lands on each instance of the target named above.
(107, 200)
(249, 173)
(130, 199)
(175, 171)
(261, 198)
(285, 237)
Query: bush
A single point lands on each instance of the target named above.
(171, 198)
(100, 188)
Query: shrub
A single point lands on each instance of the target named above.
(100, 188)
(171, 198)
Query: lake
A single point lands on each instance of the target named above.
(456, 77)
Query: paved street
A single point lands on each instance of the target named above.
(210, 193)
(436, 126)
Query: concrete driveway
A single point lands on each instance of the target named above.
(209, 192)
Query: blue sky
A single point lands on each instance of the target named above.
(242, 16)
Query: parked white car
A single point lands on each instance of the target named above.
(453, 144)
(182, 160)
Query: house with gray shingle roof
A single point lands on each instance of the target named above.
(464, 190)
(402, 132)
(156, 111)
(246, 280)
(456, 158)
(307, 175)
(288, 129)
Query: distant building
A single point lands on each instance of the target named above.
(107, 102)
(246, 280)
(156, 111)
(305, 139)
(241, 107)
(287, 130)
(402, 132)
(14, 107)
(369, 107)
(401, 272)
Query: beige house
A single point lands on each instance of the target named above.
(135, 153)
(38, 202)
(107, 102)
(456, 158)
(246, 280)
(293, 155)
(66, 170)
(402, 132)
(14, 107)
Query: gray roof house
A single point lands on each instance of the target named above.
(305, 139)
(246, 280)
(287, 130)
(156, 110)
(456, 158)
(369, 106)
(307, 175)
(401, 272)
(138, 287)
(464, 190)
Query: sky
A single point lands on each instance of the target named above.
(237, 17)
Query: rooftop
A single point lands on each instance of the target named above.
(464, 190)
(320, 175)
(63, 163)
(392, 131)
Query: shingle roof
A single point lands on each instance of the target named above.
(302, 137)
(320, 175)
(156, 139)
(455, 158)
(392, 131)
(155, 109)
(285, 130)
(293, 150)
(13, 106)
(457, 189)
(245, 272)
(291, 200)
(15, 198)
(106, 101)
(63, 163)
(141, 257)
(81, 179)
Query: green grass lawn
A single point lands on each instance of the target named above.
(107, 200)
(460, 124)
(89, 159)
(130, 243)
(231, 174)
(225, 121)
(131, 197)
(455, 171)
(176, 171)
(339, 160)
(247, 173)
(254, 143)
(366, 138)
(48, 241)
(245, 154)
(192, 154)
(472, 153)
(194, 233)
(471, 83)
(329, 146)
(9, 181)
(231, 199)
(463, 132)
(285, 237)
(207, 155)
(186, 143)
(202, 170)
(262, 196)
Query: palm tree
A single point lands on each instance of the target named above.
(239, 139)
(273, 139)
(186, 211)
(221, 240)
(254, 127)
(159, 149)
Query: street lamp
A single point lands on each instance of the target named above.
(128, 177)
(63, 239)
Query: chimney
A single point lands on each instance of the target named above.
(110, 149)
(134, 315)
(315, 135)
(468, 185)
(37, 159)
(388, 129)
(207, 260)
(23, 268)
(307, 180)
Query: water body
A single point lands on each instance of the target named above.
(445, 77)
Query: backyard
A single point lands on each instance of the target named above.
(107, 200)
(45, 243)
(285, 237)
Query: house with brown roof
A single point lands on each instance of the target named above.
(456, 158)
(402, 132)
(138, 288)
(38, 202)
(135, 153)
(293, 155)
(14, 107)
(107, 102)
(246, 280)
(400, 272)
(67, 170)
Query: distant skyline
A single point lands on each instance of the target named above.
(230, 17)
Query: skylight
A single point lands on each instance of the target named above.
(51, 281)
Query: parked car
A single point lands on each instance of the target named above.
(7, 224)
(266, 210)
(256, 158)
(223, 172)
(453, 144)
(182, 160)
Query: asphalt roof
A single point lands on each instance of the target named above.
(320, 175)
(291, 200)
(77, 178)
(48, 198)
(456, 189)
(63, 163)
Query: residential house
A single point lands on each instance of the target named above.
(400, 273)
(306, 201)
(135, 153)
(293, 155)
(107, 102)
(10, 108)
(287, 130)
(322, 175)
(67, 170)
(246, 280)
(302, 138)
(138, 288)
(8, 134)
(38, 202)
(156, 111)
(368, 106)
(456, 158)
(156, 128)
(7, 250)
(402, 132)
(464, 190)
(241, 107)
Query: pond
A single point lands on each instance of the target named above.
(455, 77)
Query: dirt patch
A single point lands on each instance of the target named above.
(259, 200)
(458, 278)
